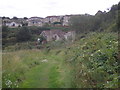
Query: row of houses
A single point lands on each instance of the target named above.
(38, 21)
(13, 22)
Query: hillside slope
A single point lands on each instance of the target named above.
(89, 62)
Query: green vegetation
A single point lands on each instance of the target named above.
(91, 61)
(101, 21)
(95, 59)
(14, 37)
(23, 34)
(32, 71)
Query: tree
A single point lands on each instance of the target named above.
(25, 18)
(5, 31)
(23, 34)
(81, 23)
(15, 18)
(5, 17)
(118, 17)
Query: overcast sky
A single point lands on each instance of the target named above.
(43, 8)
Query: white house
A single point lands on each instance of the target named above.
(35, 21)
(13, 24)
(66, 20)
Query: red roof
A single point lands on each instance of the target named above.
(52, 16)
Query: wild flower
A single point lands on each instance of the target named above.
(81, 71)
(85, 43)
(15, 84)
(84, 74)
(116, 42)
(84, 80)
(89, 71)
(83, 55)
(89, 58)
(83, 66)
(91, 54)
(107, 82)
(8, 83)
(98, 50)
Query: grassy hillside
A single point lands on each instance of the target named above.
(91, 61)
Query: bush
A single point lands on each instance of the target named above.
(24, 34)
(20, 46)
(95, 61)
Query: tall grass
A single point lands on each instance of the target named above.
(15, 64)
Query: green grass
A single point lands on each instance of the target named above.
(31, 72)
(89, 62)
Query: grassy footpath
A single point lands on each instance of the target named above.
(46, 75)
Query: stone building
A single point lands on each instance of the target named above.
(58, 35)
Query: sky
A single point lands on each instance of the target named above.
(43, 8)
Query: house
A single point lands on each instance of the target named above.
(57, 35)
(35, 18)
(46, 20)
(66, 19)
(51, 35)
(35, 21)
(53, 19)
(13, 24)
(5, 20)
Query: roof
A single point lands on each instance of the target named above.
(15, 21)
(60, 33)
(36, 17)
(53, 32)
(19, 20)
(46, 33)
(52, 16)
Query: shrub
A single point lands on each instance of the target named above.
(95, 61)
(24, 34)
